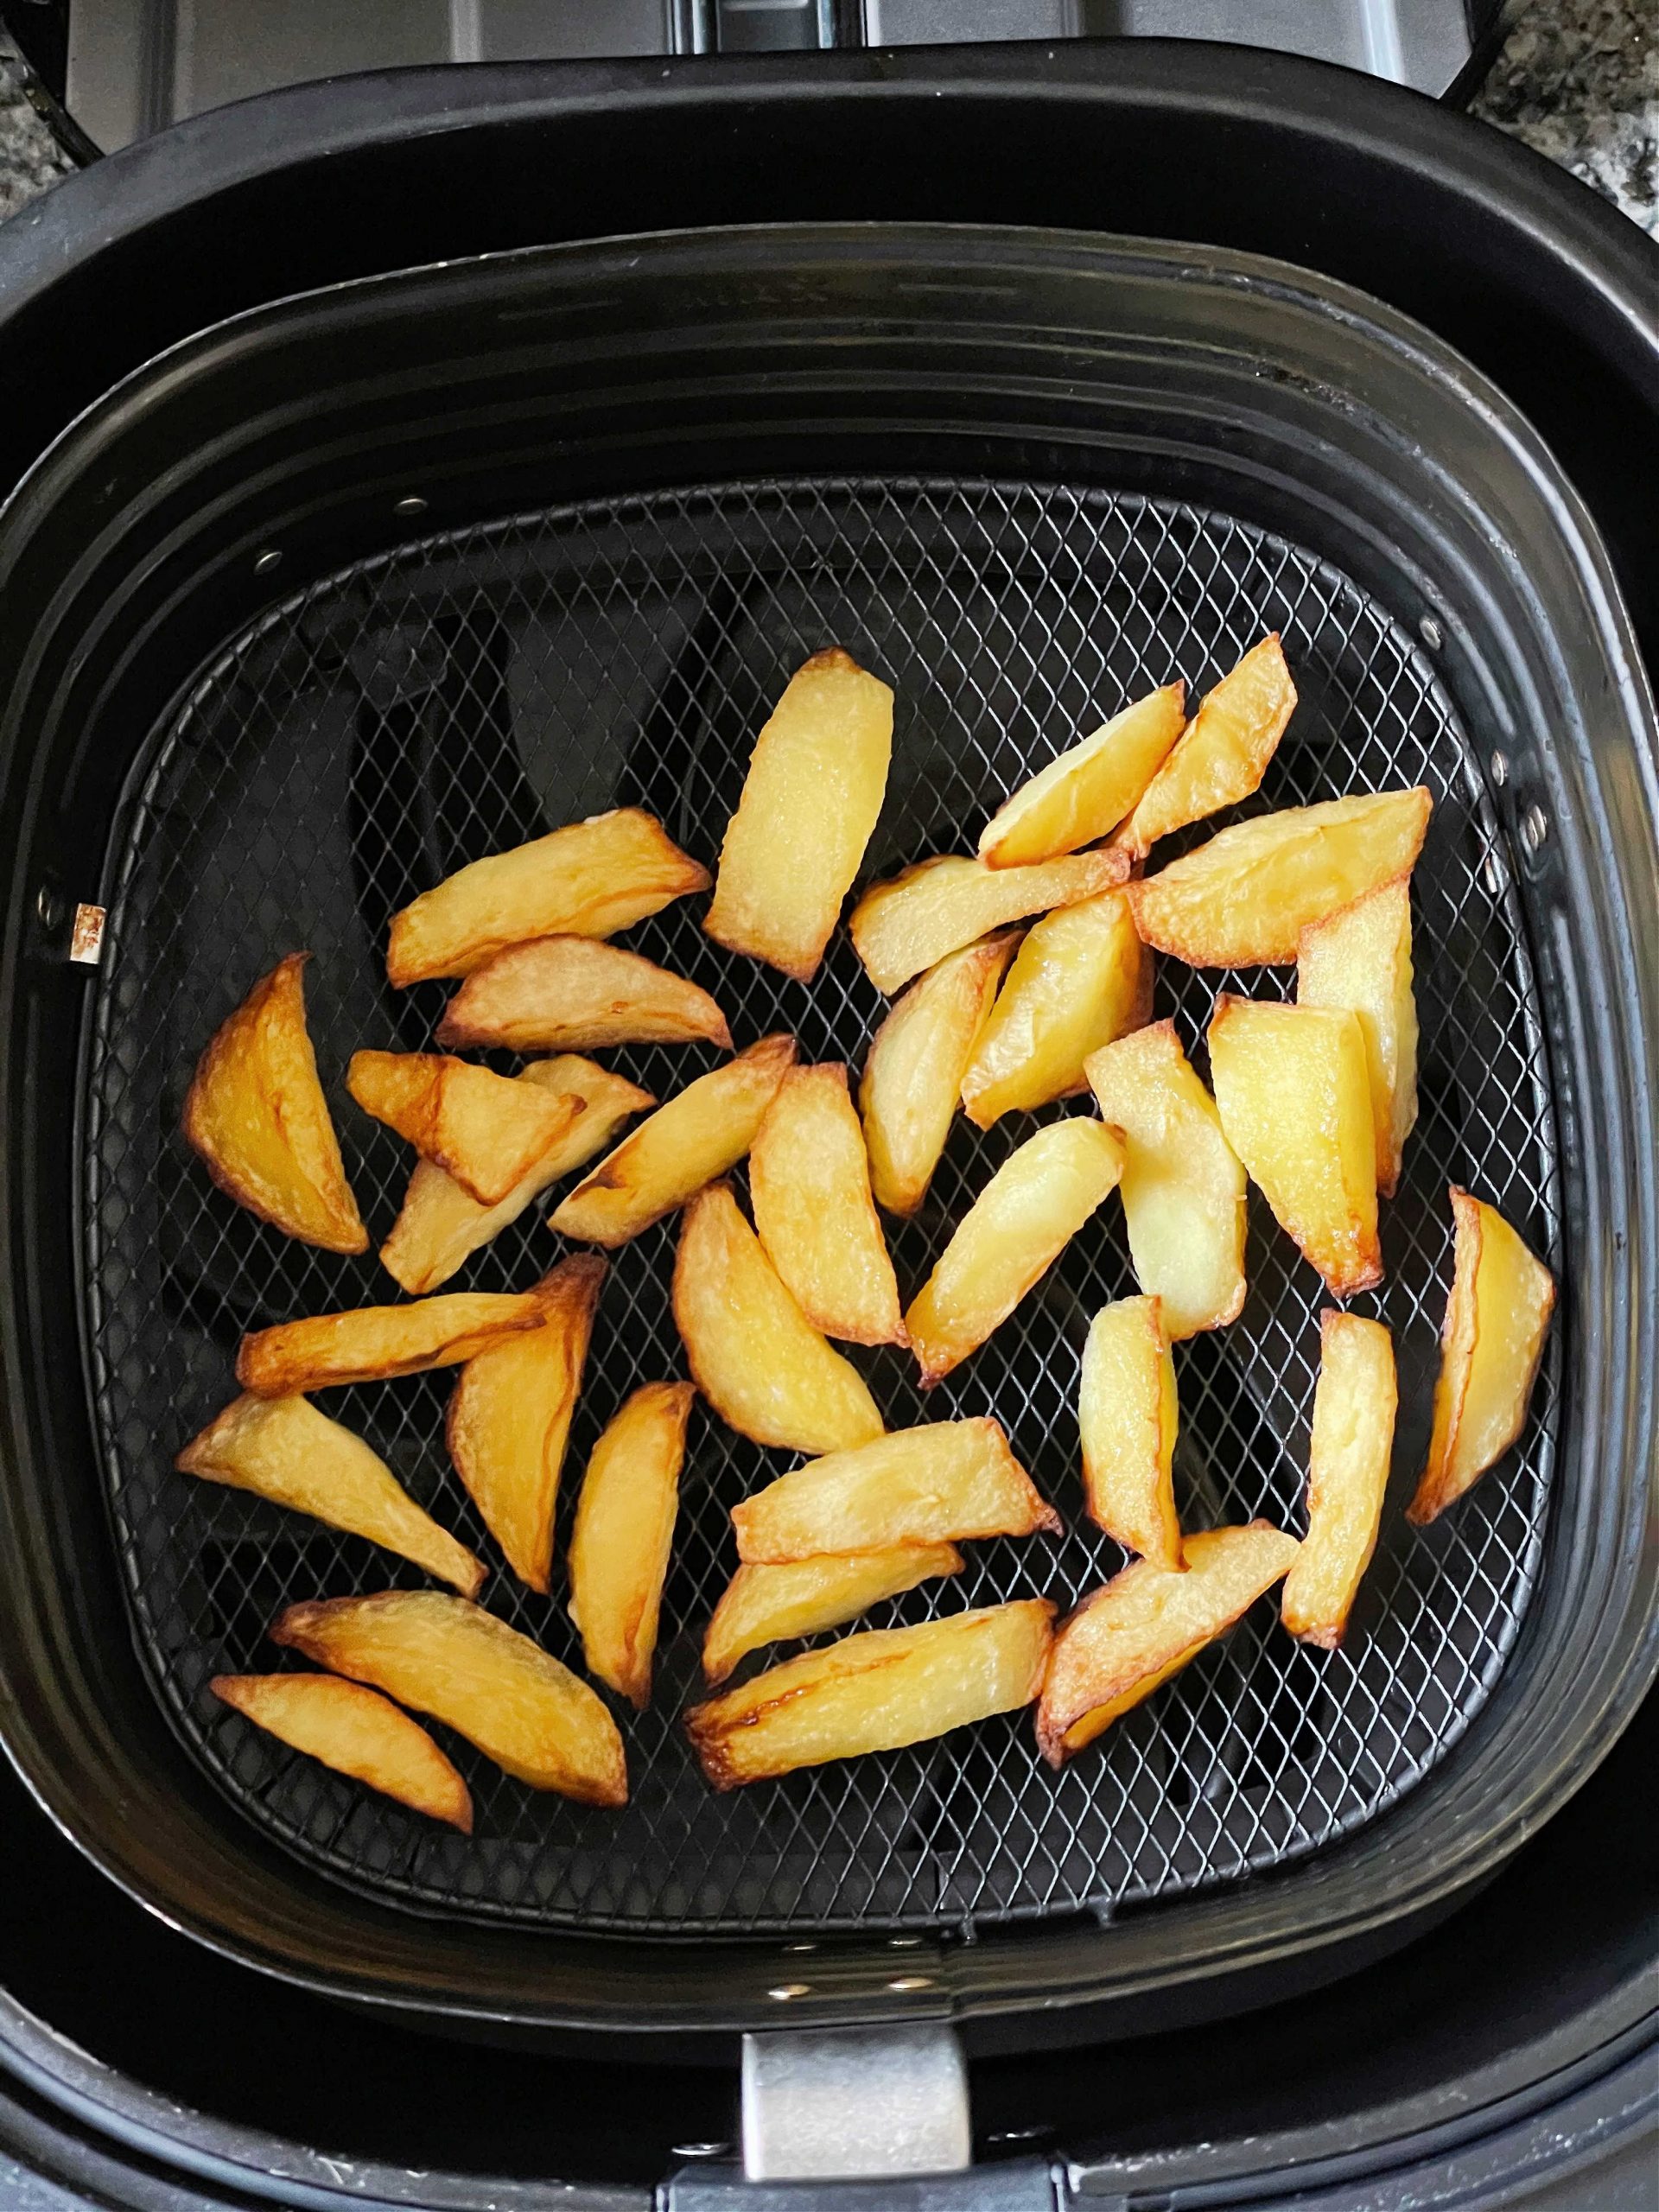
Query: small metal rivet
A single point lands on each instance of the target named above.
(912, 1982)
(1430, 634)
(800, 1946)
(266, 562)
(782, 1991)
(699, 2150)
(904, 1943)
(1500, 770)
(48, 907)
(413, 504)
(86, 938)
(1535, 827)
(1492, 876)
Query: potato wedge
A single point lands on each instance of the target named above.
(1245, 898)
(1088, 791)
(817, 779)
(1145, 1623)
(1496, 1319)
(1127, 1417)
(285, 1450)
(699, 1136)
(947, 1481)
(1081, 978)
(1360, 958)
(1183, 1188)
(589, 879)
(509, 1418)
(913, 1070)
(1010, 1238)
(771, 1605)
(442, 1225)
(874, 1692)
(357, 1733)
(576, 994)
(809, 1182)
(625, 1530)
(754, 1356)
(372, 1344)
(1224, 752)
(487, 1131)
(906, 925)
(256, 1113)
(533, 1717)
(1354, 1404)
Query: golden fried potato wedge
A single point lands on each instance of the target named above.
(753, 1354)
(1087, 792)
(1294, 1096)
(1360, 958)
(874, 1692)
(948, 1480)
(1128, 1418)
(906, 925)
(625, 1530)
(256, 1113)
(441, 1225)
(533, 1717)
(589, 879)
(817, 779)
(1145, 1624)
(1224, 754)
(509, 1418)
(1245, 898)
(773, 1604)
(357, 1733)
(1010, 1238)
(576, 994)
(372, 1344)
(1354, 1404)
(1183, 1186)
(913, 1070)
(1496, 1319)
(285, 1450)
(487, 1131)
(810, 1181)
(1081, 978)
(699, 1136)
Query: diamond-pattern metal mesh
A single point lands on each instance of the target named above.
(472, 690)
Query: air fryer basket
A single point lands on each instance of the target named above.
(1022, 477)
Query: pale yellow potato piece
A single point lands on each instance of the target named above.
(699, 1136)
(1244, 899)
(913, 1070)
(285, 1450)
(590, 878)
(948, 1480)
(874, 1692)
(1127, 1417)
(534, 1718)
(809, 1182)
(1010, 1238)
(1354, 1404)
(1294, 1096)
(625, 1531)
(576, 994)
(357, 1733)
(753, 1354)
(1224, 754)
(256, 1113)
(1145, 1623)
(1081, 978)
(372, 1344)
(487, 1131)
(509, 1418)
(441, 1225)
(1360, 958)
(906, 925)
(1183, 1188)
(816, 782)
(1496, 1319)
(771, 1605)
(1088, 791)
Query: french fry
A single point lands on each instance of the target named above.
(1128, 1418)
(1081, 978)
(534, 1718)
(357, 1733)
(1496, 1319)
(1360, 958)
(285, 1450)
(810, 1181)
(373, 1344)
(590, 878)
(815, 781)
(1010, 1238)
(754, 1356)
(624, 1529)
(487, 1131)
(256, 1113)
(772, 1604)
(913, 1070)
(1224, 752)
(576, 994)
(1088, 791)
(874, 1692)
(906, 925)
(1354, 1403)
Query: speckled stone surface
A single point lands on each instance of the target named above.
(29, 159)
